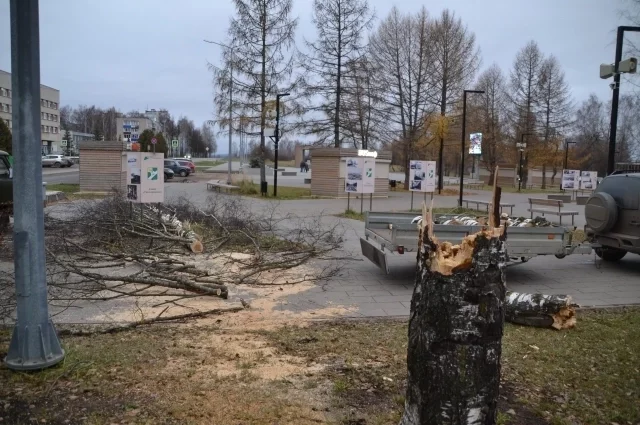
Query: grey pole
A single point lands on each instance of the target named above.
(34, 342)
(230, 111)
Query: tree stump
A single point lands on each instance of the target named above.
(455, 329)
(544, 311)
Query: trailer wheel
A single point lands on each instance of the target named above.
(560, 256)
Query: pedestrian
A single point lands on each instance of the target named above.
(302, 166)
(306, 166)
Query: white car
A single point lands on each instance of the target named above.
(56, 161)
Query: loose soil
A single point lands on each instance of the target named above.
(261, 366)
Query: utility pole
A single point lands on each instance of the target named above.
(629, 66)
(521, 147)
(230, 104)
(34, 342)
(276, 141)
(462, 140)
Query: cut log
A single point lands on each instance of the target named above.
(455, 329)
(544, 311)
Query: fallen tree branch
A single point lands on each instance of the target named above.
(539, 310)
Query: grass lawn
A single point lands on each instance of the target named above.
(248, 188)
(339, 372)
(208, 164)
(72, 191)
(354, 215)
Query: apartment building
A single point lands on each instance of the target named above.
(51, 134)
(129, 129)
(71, 146)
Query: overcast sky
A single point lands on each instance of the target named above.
(138, 54)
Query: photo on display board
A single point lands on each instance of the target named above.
(351, 187)
(585, 174)
(420, 175)
(135, 176)
(416, 166)
(416, 185)
(352, 163)
(568, 178)
(568, 184)
(354, 175)
(566, 173)
(132, 192)
(587, 185)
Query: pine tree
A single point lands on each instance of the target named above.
(5, 137)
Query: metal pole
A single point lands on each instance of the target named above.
(361, 202)
(566, 154)
(464, 129)
(34, 342)
(371, 202)
(277, 140)
(348, 201)
(520, 170)
(411, 209)
(614, 103)
(230, 112)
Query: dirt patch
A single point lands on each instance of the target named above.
(244, 369)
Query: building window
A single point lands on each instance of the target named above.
(42, 128)
(3, 91)
(9, 93)
(55, 118)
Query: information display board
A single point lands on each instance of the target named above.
(360, 175)
(422, 176)
(145, 177)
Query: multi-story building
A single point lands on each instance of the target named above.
(129, 129)
(72, 145)
(49, 113)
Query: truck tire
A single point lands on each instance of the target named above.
(610, 254)
(601, 212)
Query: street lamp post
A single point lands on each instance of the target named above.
(276, 141)
(616, 95)
(207, 149)
(566, 152)
(230, 103)
(521, 147)
(462, 139)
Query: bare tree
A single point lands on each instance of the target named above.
(524, 87)
(491, 108)
(261, 33)
(591, 132)
(555, 107)
(360, 100)
(209, 138)
(401, 49)
(455, 61)
(340, 25)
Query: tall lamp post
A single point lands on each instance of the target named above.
(607, 71)
(462, 139)
(566, 152)
(275, 143)
(521, 147)
(230, 103)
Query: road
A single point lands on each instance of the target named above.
(61, 175)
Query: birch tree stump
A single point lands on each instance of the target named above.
(455, 329)
(544, 311)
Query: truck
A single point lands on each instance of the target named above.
(394, 232)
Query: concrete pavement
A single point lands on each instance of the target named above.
(369, 292)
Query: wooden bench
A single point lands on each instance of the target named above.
(289, 173)
(486, 204)
(474, 185)
(556, 209)
(563, 198)
(218, 185)
(307, 181)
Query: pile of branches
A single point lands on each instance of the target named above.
(112, 249)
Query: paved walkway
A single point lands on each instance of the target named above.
(370, 292)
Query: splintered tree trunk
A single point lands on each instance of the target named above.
(455, 329)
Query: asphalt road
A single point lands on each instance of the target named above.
(61, 175)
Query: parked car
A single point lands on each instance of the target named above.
(186, 163)
(168, 174)
(613, 216)
(56, 161)
(178, 169)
